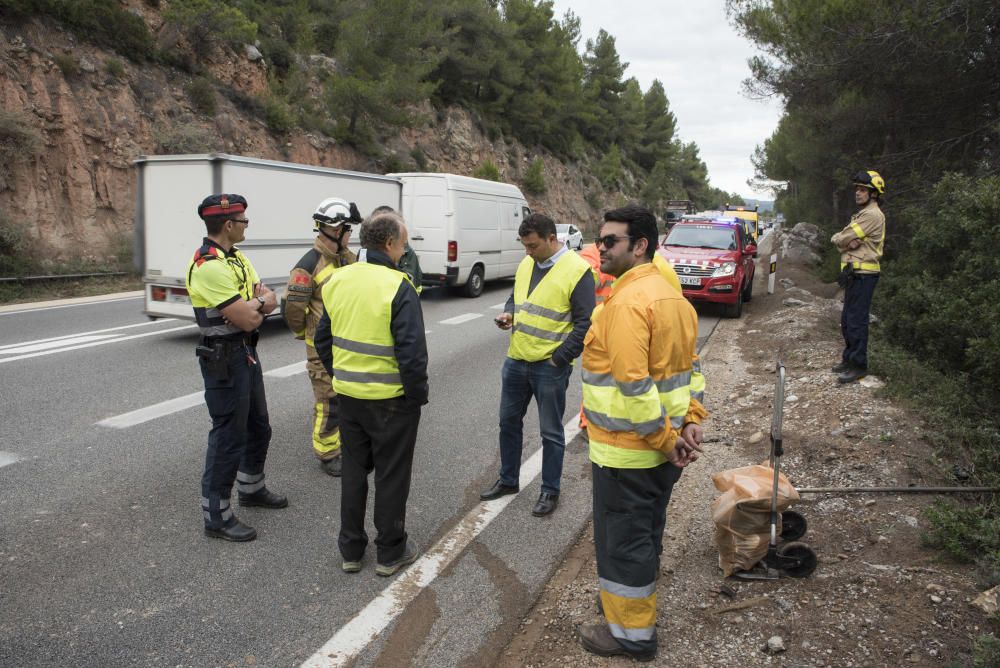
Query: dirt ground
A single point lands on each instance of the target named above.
(877, 597)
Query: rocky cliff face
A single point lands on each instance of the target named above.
(95, 112)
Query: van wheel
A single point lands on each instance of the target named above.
(474, 286)
(735, 310)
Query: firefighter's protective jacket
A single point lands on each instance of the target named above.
(868, 225)
(642, 379)
(304, 293)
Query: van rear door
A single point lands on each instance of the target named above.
(426, 220)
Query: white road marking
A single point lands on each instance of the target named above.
(287, 371)
(459, 319)
(179, 404)
(70, 336)
(353, 637)
(499, 307)
(49, 345)
(17, 309)
(155, 411)
(95, 343)
(8, 458)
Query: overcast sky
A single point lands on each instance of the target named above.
(701, 61)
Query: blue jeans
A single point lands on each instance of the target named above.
(547, 384)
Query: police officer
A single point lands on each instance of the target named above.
(371, 339)
(304, 306)
(860, 244)
(229, 303)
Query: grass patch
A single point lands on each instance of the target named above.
(488, 170)
(64, 289)
(964, 432)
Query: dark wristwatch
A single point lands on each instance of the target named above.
(262, 303)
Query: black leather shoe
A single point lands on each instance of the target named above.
(265, 498)
(497, 490)
(852, 375)
(841, 368)
(236, 532)
(546, 504)
(332, 466)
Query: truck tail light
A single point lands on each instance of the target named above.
(179, 292)
(159, 294)
(452, 251)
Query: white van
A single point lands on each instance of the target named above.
(464, 230)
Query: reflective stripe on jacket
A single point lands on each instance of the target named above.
(543, 320)
(868, 226)
(364, 359)
(641, 375)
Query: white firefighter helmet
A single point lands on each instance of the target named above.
(332, 212)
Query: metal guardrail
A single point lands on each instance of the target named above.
(60, 277)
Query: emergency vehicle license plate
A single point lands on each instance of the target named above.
(690, 280)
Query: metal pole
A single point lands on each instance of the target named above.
(898, 490)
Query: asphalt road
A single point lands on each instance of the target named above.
(102, 558)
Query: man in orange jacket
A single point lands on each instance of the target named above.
(642, 392)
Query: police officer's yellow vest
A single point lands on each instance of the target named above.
(543, 320)
(358, 299)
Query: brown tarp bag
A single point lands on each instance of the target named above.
(742, 514)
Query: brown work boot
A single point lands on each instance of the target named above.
(597, 639)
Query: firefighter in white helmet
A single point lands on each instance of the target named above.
(303, 308)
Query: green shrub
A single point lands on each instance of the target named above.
(201, 92)
(393, 164)
(534, 178)
(609, 168)
(16, 256)
(114, 68)
(19, 142)
(67, 64)
(185, 138)
(488, 170)
(207, 24)
(986, 652)
(278, 115)
(594, 199)
(419, 157)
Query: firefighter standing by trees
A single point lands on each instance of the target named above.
(641, 394)
(860, 245)
(303, 308)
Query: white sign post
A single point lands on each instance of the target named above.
(770, 274)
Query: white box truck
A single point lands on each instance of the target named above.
(464, 230)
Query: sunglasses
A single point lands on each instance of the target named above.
(609, 241)
(245, 221)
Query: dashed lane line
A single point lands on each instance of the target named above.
(459, 319)
(178, 404)
(7, 348)
(17, 309)
(94, 343)
(353, 637)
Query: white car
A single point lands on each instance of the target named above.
(570, 235)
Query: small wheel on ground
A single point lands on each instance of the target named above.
(474, 286)
(735, 310)
(804, 554)
(748, 291)
(793, 525)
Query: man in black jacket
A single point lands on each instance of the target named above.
(371, 340)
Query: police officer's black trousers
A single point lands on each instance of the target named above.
(379, 435)
(629, 519)
(239, 437)
(854, 318)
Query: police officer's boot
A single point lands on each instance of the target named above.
(332, 466)
(852, 375)
(236, 532)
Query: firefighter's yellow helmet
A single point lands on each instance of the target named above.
(870, 179)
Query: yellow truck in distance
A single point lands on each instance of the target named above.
(748, 214)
